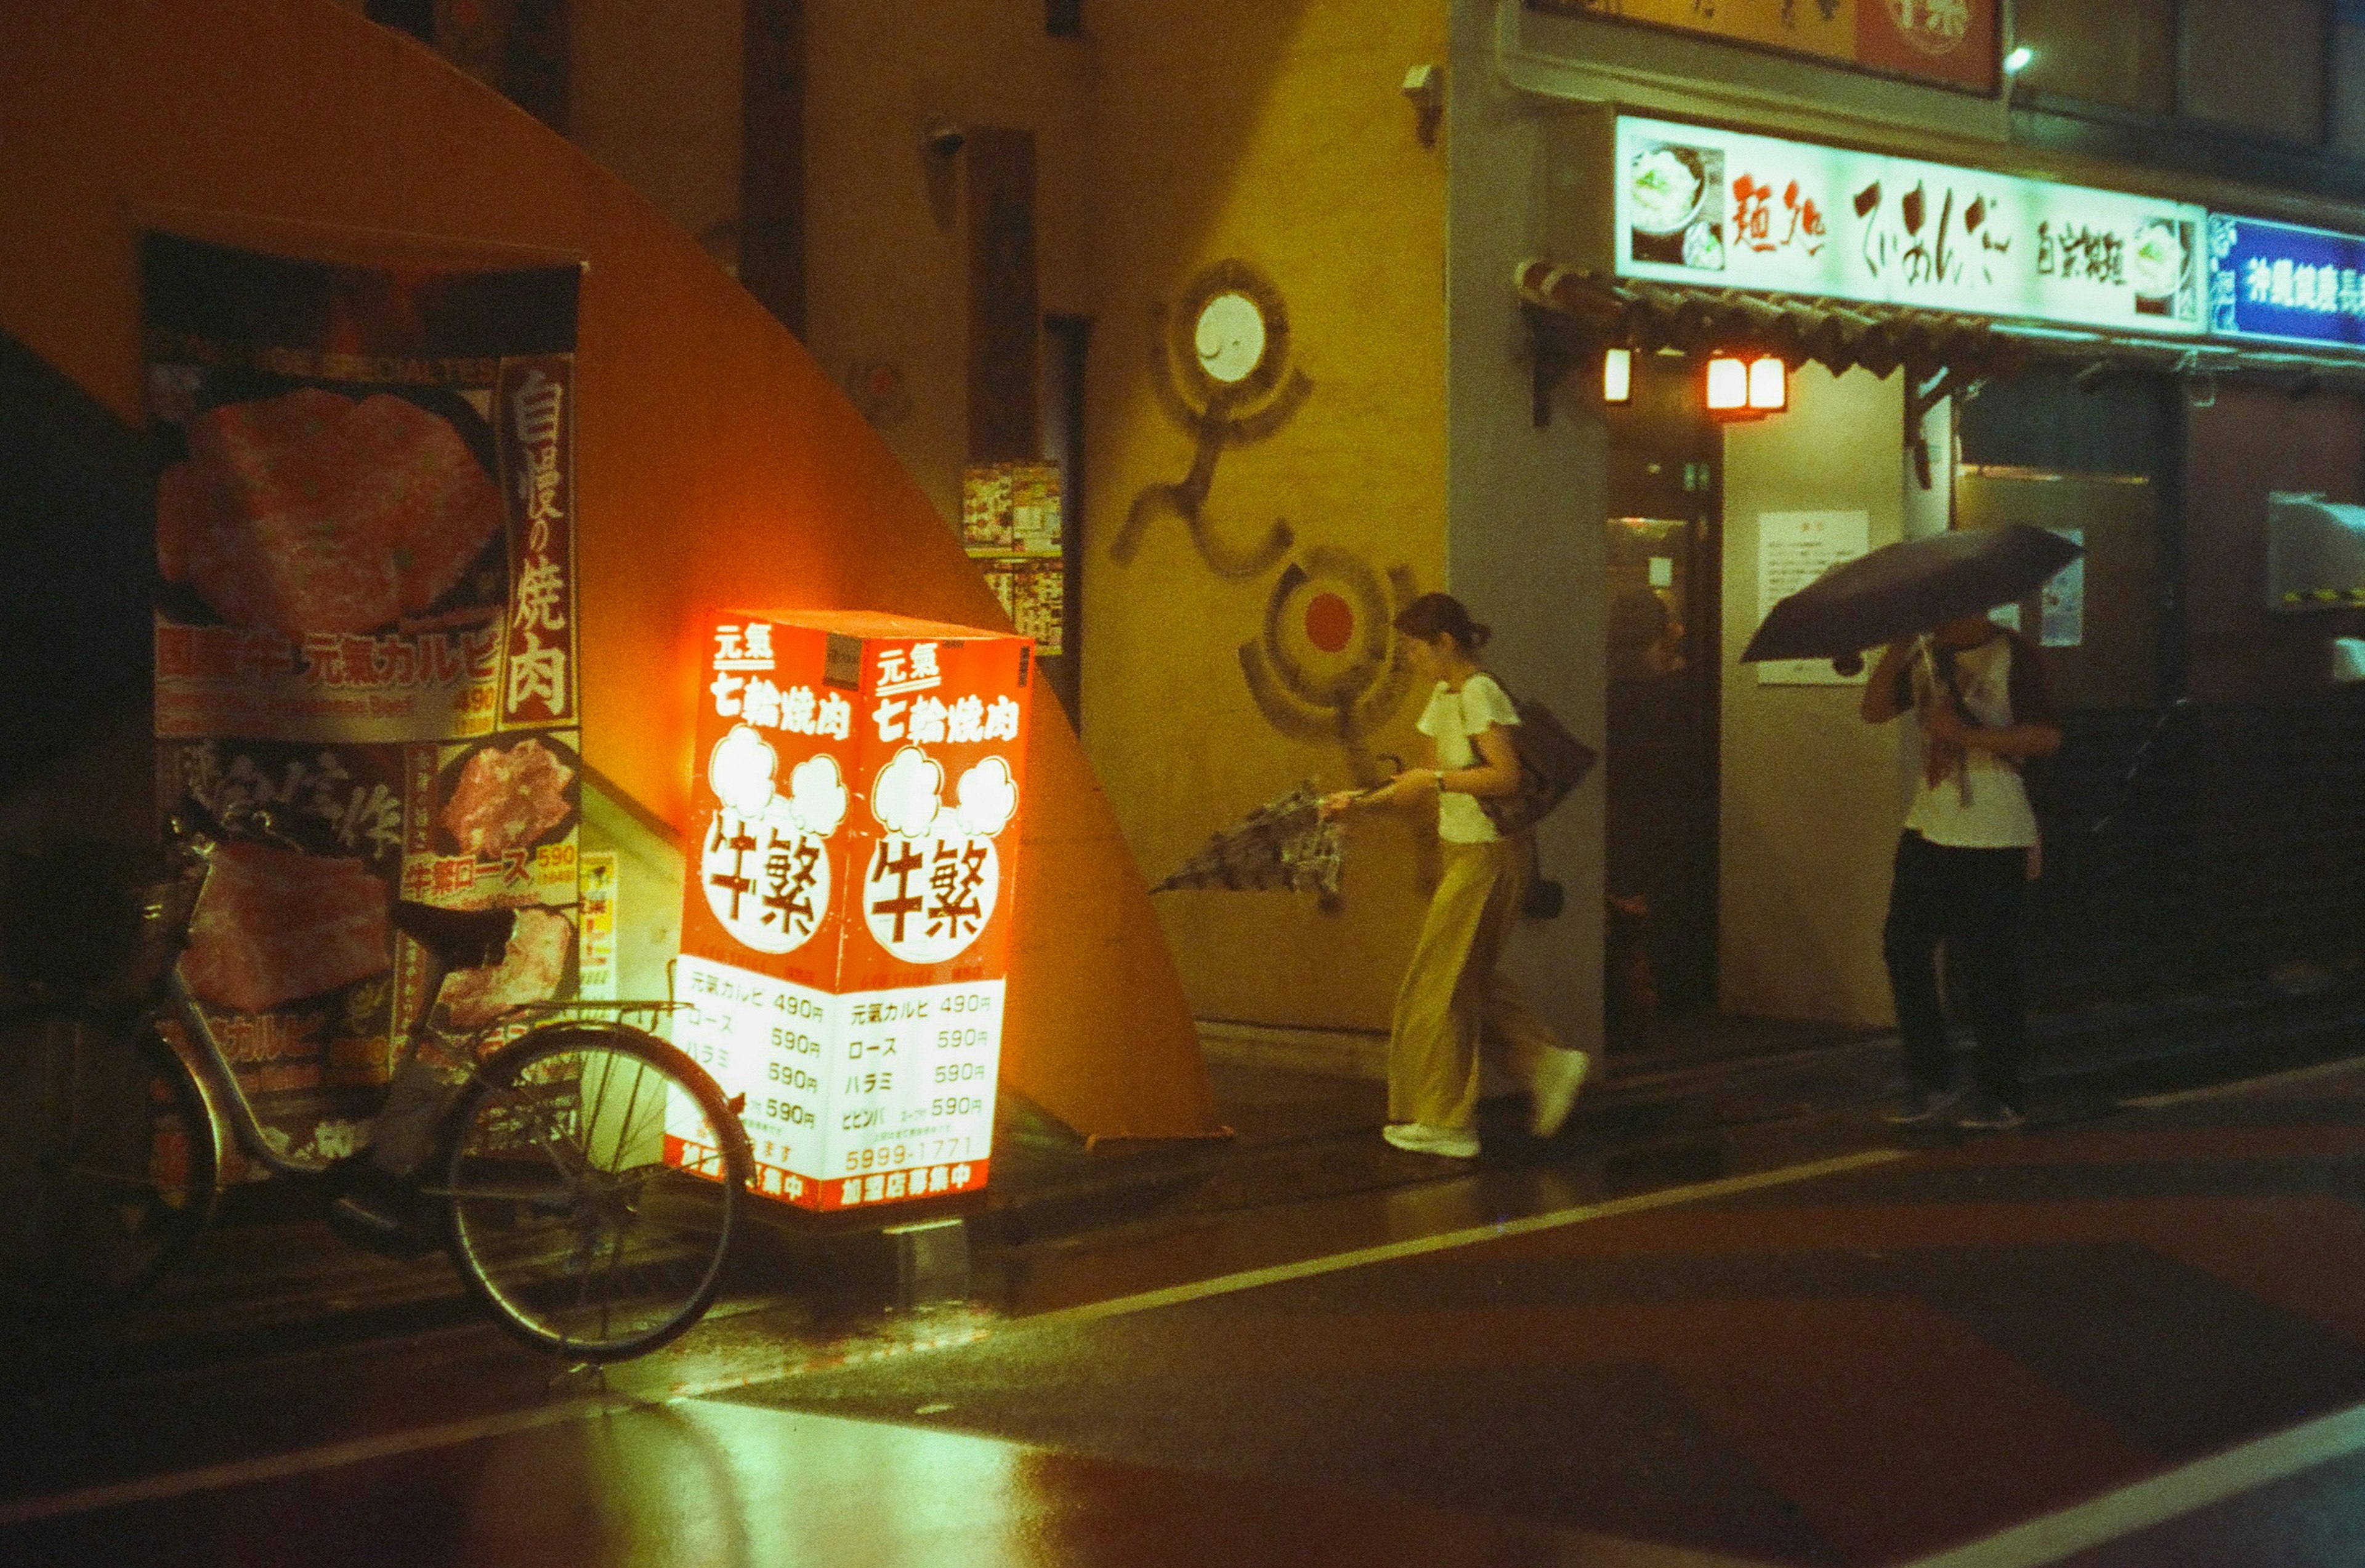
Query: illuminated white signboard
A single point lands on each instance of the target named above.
(1725, 210)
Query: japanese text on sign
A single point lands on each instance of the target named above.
(2281, 281)
(1736, 211)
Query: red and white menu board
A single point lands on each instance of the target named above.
(847, 919)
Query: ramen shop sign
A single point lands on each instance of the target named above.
(846, 928)
(1725, 210)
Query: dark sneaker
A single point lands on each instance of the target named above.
(1991, 1117)
(1921, 1108)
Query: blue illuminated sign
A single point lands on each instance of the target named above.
(2281, 281)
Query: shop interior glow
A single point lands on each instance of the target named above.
(1618, 375)
(1769, 385)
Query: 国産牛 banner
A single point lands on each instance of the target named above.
(364, 641)
(1721, 209)
(1953, 42)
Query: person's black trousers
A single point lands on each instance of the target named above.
(1970, 898)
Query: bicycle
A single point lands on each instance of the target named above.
(545, 1177)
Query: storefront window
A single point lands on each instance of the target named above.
(2092, 464)
(2122, 54)
(2256, 65)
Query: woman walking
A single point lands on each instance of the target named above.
(1453, 996)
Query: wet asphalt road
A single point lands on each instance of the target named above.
(2143, 1328)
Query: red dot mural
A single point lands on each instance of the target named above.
(1329, 622)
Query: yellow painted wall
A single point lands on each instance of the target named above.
(1812, 796)
(1271, 132)
(886, 253)
(1179, 133)
(652, 94)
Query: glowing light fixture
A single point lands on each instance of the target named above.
(1738, 388)
(1728, 386)
(2019, 59)
(1618, 375)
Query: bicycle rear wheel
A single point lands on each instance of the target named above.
(572, 1215)
(108, 1165)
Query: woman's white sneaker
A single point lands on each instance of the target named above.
(1453, 1143)
(1558, 1078)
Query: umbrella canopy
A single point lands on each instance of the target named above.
(1916, 585)
(1282, 844)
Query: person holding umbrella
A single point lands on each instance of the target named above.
(1451, 993)
(1969, 849)
(1970, 843)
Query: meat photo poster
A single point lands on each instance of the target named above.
(365, 623)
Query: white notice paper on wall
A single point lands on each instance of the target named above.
(2065, 598)
(1794, 548)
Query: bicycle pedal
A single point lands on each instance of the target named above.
(376, 1229)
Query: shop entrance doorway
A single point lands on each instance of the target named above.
(1665, 629)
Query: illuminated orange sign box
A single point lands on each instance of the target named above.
(846, 926)
(1949, 41)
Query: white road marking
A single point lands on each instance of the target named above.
(2245, 1085)
(2185, 1490)
(1252, 1279)
(241, 1473)
(245, 1472)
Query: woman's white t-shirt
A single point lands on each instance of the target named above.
(1452, 720)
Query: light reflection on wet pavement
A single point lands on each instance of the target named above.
(704, 1485)
(1924, 1347)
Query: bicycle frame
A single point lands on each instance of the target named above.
(226, 1101)
(218, 1084)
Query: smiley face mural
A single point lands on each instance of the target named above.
(1220, 370)
(1327, 666)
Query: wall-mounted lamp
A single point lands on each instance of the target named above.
(1618, 375)
(2019, 59)
(1424, 88)
(1738, 388)
(942, 136)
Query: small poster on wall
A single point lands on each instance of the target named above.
(1794, 548)
(2064, 602)
(1011, 527)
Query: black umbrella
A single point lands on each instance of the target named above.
(1900, 590)
(1282, 844)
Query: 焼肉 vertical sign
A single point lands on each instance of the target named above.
(2283, 282)
(846, 928)
(1721, 209)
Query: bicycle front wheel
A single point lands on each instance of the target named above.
(595, 1178)
(106, 1168)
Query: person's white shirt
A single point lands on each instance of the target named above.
(1454, 720)
(1980, 803)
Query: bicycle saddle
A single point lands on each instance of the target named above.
(462, 938)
